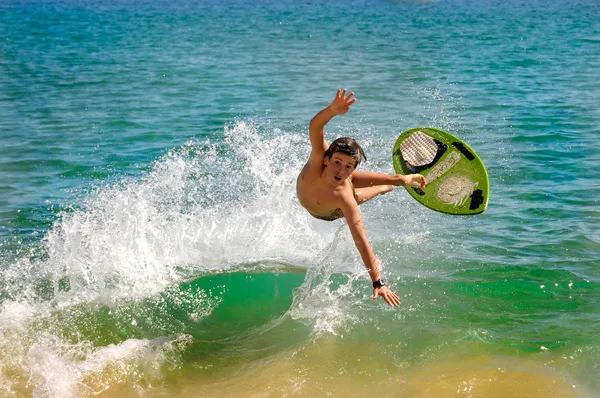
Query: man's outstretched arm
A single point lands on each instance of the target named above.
(364, 179)
(359, 235)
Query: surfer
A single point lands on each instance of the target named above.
(330, 187)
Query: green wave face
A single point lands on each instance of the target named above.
(210, 308)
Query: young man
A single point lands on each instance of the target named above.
(330, 187)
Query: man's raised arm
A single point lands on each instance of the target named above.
(340, 105)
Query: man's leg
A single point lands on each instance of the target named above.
(365, 194)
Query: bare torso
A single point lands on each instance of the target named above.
(318, 196)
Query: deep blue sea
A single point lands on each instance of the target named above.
(151, 243)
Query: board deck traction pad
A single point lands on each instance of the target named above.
(457, 181)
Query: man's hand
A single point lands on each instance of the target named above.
(390, 297)
(341, 103)
(414, 181)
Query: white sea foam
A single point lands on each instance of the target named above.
(61, 369)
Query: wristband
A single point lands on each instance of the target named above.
(378, 283)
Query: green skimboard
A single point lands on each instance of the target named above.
(457, 181)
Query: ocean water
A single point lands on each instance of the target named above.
(151, 243)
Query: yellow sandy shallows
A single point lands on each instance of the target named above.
(330, 367)
(312, 372)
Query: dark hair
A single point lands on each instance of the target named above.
(348, 146)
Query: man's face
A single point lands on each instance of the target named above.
(339, 167)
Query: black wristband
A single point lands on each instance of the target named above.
(378, 283)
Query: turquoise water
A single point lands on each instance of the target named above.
(151, 243)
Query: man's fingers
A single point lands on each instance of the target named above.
(392, 299)
(342, 94)
(389, 299)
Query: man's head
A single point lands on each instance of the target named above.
(347, 146)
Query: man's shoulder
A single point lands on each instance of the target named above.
(344, 191)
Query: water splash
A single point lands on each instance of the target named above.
(204, 207)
